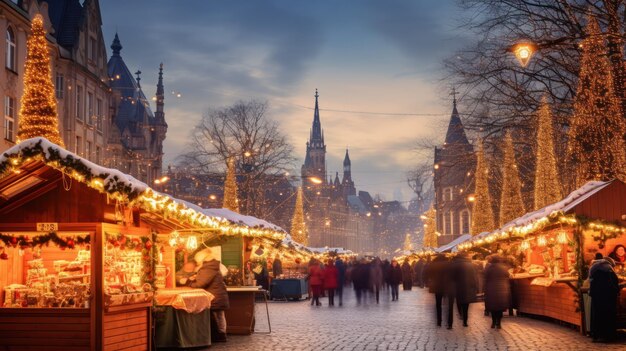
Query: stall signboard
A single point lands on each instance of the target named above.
(47, 227)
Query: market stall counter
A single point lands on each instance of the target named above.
(240, 316)
(182, 318)
(294, 288)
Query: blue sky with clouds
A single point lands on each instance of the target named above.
(365, 55)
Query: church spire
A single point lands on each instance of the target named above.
(317, 136)
(160, 97)
(116, 46)
(456, 131)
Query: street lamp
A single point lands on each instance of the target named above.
(315, 180)
(523, 52)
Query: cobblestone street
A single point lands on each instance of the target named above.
(404, 325)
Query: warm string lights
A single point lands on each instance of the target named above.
(482, 212)
(38, 112)
(511, 202)
(547, 184)
(299, 231)
(596, 144)
(430, 227)
(231, 200)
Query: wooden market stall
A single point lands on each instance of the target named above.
(554, 246)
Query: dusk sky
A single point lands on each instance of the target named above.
(363, 56)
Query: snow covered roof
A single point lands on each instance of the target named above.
(451, 245)
(237, 218)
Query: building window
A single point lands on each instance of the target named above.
(59, 86)
(80, 111)
(447, 227)
(98, 152)
(99, 114)
(90, 114)
(10, 50)
(88, 149)
(447, 194)
(9, 118)
(79, 146)
(465, 222)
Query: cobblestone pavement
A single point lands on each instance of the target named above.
(404, 325)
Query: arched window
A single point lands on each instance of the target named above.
(10, 49)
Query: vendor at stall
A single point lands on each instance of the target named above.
(210, 278)
(186, 273)
(619, 254)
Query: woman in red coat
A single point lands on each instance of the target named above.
(316, 281)
(330, 281)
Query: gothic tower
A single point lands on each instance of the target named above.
(347, 183)
(315, 159)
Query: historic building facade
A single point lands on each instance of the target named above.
(88, 97)
(453, 182)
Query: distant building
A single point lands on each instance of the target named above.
(453, 181)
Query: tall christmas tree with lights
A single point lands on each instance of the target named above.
(511, 202)
(547, 184)
(430, 228)
(38, 112)
(596, 135)
(298, 226)
(482, 212)
(231, 201)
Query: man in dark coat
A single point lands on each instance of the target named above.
(210, 279)
(497, 290)
(277, 267)
(360, 279)
(603, 289)
(419, 269)
(395, 278)
(436, 279)
(407, 275)
(341, 278)
(464, 277)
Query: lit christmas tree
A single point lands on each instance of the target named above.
(430, 227)
(231, 201)
(482, 213)
(38, 111)
(547, 184)
(408, 245)
(298, 226)
(596, 144)
(511, 203)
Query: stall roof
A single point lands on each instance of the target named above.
(237, 218)
(452, 245)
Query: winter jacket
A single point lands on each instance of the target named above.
(463, 276)
(407, 273)
(395, 275)
(376, 274)
(277, 268)
(603, 282)
(497, 287)
(341, 273)
(435, 275)
(330, 277)
(210, 279)
(316, 275)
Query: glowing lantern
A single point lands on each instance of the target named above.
(523, 52)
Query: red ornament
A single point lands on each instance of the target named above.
(70, 243)
(148, 245)
(4, 256)
(14, 241)
(123, 240)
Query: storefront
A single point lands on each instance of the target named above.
(551, 250)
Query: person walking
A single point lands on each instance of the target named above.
(341, 279)
(436, 281)
(360, 277)
(316, 281)
(376, 278)
(407, 275)
(419, 269)
(465, 278)
(385, 266)
(497, 290)
(277, 267)
(604, 290)
(210, 279)
(395, 278)
(331, 281)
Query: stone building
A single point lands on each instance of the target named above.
(453, 182)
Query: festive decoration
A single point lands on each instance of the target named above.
(430, 228)
(408, 245)
(192, 243)
(547, 185)
(140, 244)
(561, 238)
(231, 201)
(541, 241)
(24, 241)
(482, 213)
(511, 203)
(298, 226)
(38, 111)
(596, 145)
(525, 245)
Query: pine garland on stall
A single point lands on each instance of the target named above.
(298, 225)
(547, 184)
(38, 112)
(596, 135)
(231, 200)
(482, 213)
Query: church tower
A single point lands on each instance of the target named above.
(347, 183)
(315, 159)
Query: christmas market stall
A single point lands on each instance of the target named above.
(552, 249)
(79, 252)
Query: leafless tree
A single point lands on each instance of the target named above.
(420, 180)
(245, 132)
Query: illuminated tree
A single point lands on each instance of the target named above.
(547, 184)
(298, 226)
(596, 144)
(408, 245)
(38, 111)
(482, 213)
(430, 228)
(511, 203)
(231, 201)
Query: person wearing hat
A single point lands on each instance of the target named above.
(603, 289)
(210, 278)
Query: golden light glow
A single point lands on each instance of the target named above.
(315, 180)
(192, 243)
(523, 52)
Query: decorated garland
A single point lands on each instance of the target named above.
(25, 242)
